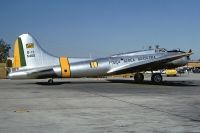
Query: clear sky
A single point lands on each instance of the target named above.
(103, 27)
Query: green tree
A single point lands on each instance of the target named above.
(4, 51)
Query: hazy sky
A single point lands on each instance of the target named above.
(103, 27)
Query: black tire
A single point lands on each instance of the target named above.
(156, 78)
(139, 77)
(50, 81)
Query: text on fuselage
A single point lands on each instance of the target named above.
(131, 59)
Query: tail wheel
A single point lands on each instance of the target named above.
(156, 78)
(139, 77)
(50, 81)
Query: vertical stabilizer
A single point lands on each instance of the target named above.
(29, 54)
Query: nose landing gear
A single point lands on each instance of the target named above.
(139, 77)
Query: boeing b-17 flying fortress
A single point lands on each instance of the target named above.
(31, 61)
(100, 66)
(82, 95)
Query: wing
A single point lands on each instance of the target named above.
(153, 64)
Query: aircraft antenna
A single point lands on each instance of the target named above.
(90, 56)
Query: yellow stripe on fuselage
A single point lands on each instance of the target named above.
(17, 62)
(65, 67)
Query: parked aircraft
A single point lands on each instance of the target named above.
(31, 61)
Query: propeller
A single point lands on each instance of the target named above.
(190, 52)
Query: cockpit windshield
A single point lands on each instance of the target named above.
(160, 50)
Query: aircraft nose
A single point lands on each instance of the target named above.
(181, 62)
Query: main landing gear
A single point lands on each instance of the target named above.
(139, 77)
(50, 81)
(156, 78)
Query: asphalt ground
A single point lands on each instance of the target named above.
(100, 105)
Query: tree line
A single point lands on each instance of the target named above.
(4, 51)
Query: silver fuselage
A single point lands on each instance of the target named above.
(81, 67)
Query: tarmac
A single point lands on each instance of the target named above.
(100, 105)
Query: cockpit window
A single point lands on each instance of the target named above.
(161, 50)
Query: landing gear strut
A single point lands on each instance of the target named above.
(139, 77)
(156, 78)
(50, 81)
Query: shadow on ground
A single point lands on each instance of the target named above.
(165, 83)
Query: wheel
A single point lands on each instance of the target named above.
(156, 78)
(50, 81)
(139, 77)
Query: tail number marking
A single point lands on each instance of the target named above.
(30, 53)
